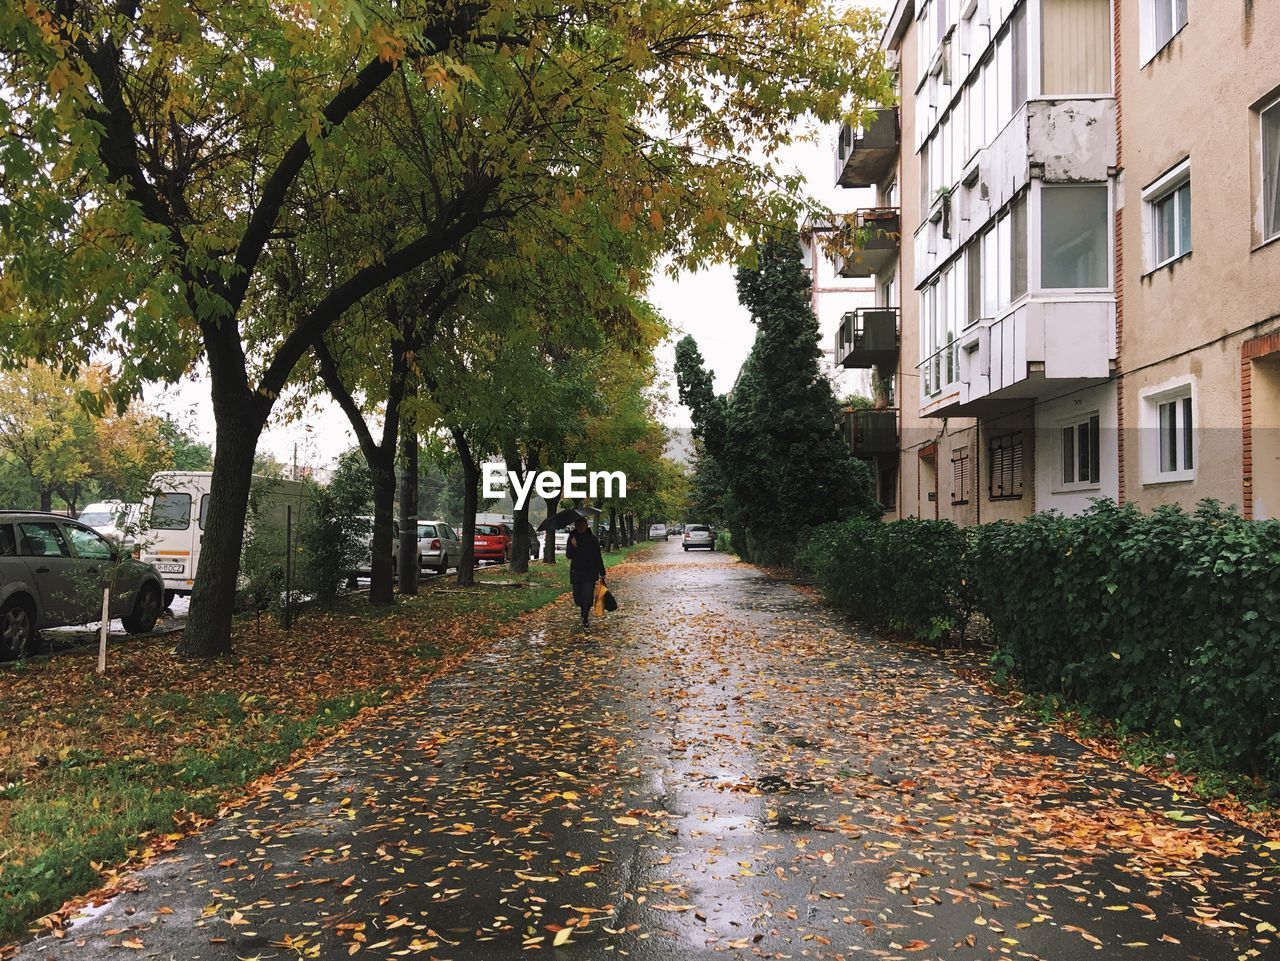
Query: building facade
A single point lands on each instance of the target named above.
(1063, 333)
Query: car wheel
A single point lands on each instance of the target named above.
(168, 599)
(444, 565)
(686, 550)
(146, 611)
(17, 627)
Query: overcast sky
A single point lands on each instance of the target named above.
(704, 304)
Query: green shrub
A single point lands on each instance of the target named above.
(909, 575)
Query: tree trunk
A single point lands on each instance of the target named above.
(613, 527)
(631, 528)
(549, 541)
(208, 630)
(410, 565)
(46, 500)
(520, 536)
(470, 500)
(382, 560)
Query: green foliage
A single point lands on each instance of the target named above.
(781, 461)
(1165, 621)
(908, 576)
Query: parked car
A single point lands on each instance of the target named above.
(114, 520)
(676, 529)
(52, 572)
(364, 565)
(657, 531)
(178, 511)
(493, 543)
(699, 535)
(562, 541)
(439, 546)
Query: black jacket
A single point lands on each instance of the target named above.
(585, 559)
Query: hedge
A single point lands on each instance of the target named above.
(1168, 622)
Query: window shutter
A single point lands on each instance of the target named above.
(960, 477)
(1006, 466)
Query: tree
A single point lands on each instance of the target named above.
(185, 452)
(165, 163)
(775, 438)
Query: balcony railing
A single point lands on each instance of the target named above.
(870, 433)
(868, 337)
(939, 370)
(876, 236)
(865, 155)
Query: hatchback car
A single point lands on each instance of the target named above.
(657, 532)
(52, 572)
(699, 535)
(364, 558)
(439, 546)
(492, 543)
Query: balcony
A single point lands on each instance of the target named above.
(868, 337)
(871, 433)
(865, 156)
(1040, 349)
(875, 240)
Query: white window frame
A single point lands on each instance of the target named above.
(1271, 107)
(1073, 423)
(1160, 189)
(1149, 46)
(1149, 420)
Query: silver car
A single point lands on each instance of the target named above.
(699, 535)
(52, 572)
(439, 546)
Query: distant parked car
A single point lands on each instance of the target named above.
(676, 529)
(657, 532)
(114, 520)
(562, 541)
(493, 543)
(52, 571)
(699, 535)
(438, 546)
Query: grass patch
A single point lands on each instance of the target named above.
(95, 770)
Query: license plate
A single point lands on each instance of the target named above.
(171, 568)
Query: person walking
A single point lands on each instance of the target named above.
(586, 565)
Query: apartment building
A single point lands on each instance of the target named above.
(1199, 245)
(1059, 337)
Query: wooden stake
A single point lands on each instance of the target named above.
(102, 635)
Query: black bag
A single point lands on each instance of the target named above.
(610, 602)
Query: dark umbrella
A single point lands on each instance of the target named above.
(567, 518)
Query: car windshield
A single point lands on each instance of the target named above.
(98, 518)
(488, 530)
(696, 528)
(427, 530)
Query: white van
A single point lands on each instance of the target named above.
(176, 514)
(114, 520)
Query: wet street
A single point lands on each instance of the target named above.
(721, 767)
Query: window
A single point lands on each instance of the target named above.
(1074, 236)
(1018, 39)
(1019, 247)
(974, 263)
(1075, 57)
(1081, 452)
(1006, 466)
(171, 512)
(42, 540)
(889, 488)
(1161, 20)
(960, 476)
(1270, 127)
(87, 543)
(8, 543)
(204, 510)
(1168, 204)
(1176, 427)
(1168, 441)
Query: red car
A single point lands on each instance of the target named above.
(493, 543)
